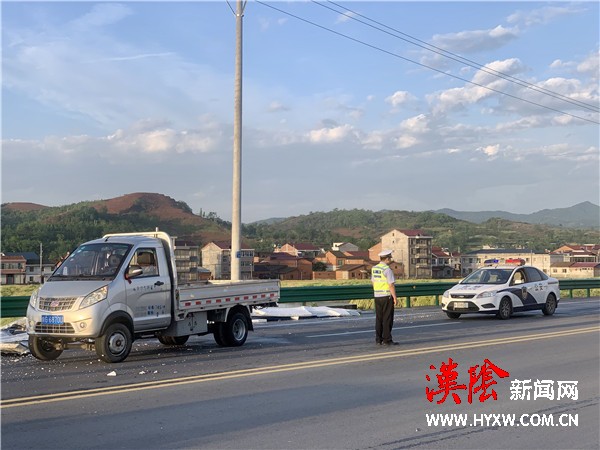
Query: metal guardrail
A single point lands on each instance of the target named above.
(588, 284)
(17, 306)
(360, 292)
(14, 306)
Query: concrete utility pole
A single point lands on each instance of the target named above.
(236, 221)
(41, 265)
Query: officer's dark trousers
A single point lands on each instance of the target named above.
(384, 318)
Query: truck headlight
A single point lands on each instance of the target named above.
(33, 300)
(97, 296)
(487, 294)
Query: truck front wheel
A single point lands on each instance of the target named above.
(115, 344)
(235, 330)
(43, 349)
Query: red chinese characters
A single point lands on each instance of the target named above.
(481, 381)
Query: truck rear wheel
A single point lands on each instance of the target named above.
(173, 340)
(218, 334)
(235, 330)
(115, 344)
(43, 349)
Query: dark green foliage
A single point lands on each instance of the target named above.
(60, 229)
(364, 229)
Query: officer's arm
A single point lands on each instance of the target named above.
(393, 292)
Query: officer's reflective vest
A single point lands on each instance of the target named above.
(381, 286)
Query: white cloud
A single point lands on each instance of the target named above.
(345, 17)
(590, 65)
(276, 106)
(399, 98)
(475, 40)
(329, 135)
(418, 124)
(491, 151)
(102, 14)
(544, 15)
(405, 141)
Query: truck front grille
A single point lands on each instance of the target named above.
(56, 303)
(65, 328)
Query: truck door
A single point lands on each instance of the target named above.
(149, 294)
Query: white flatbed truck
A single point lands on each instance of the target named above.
(122, 287)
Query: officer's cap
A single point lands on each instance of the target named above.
(385, 253)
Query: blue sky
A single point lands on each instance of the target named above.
(102, 99)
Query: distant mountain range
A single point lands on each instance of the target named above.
(581, 215)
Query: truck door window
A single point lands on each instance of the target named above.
(146, 259)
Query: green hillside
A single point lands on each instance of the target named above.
(60, 229)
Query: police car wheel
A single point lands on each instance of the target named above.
(550, 305)
(505, 309)
(452, 315)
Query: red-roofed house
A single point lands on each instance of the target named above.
(300, 249)
(12, 269)
(302, 266)
(575, 270)
(579, 253)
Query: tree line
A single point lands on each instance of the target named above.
(60, 229)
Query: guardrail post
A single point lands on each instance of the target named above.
(407, 302)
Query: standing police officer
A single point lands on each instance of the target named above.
(383, 280)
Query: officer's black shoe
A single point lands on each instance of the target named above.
(391, 343)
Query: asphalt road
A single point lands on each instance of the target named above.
(323, 383)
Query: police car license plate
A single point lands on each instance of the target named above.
(461, 305)
(53, 320)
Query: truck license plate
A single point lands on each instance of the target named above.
(53, 320)
(461, 305)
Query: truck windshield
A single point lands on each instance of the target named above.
(90, 261)
(488, 276)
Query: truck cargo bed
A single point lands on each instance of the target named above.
(220, 294)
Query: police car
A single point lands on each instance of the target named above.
(502, 290)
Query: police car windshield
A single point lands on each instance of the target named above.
(488, 276)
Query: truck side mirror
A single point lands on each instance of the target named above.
(134, 271)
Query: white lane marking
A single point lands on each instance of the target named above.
(370, 331)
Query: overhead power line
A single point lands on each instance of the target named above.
(424, 65)
(453, 56)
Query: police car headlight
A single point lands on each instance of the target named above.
(33, 300)
(97, 296)
(446, 294)
(486, 294)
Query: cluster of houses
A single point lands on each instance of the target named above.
(412, 250)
